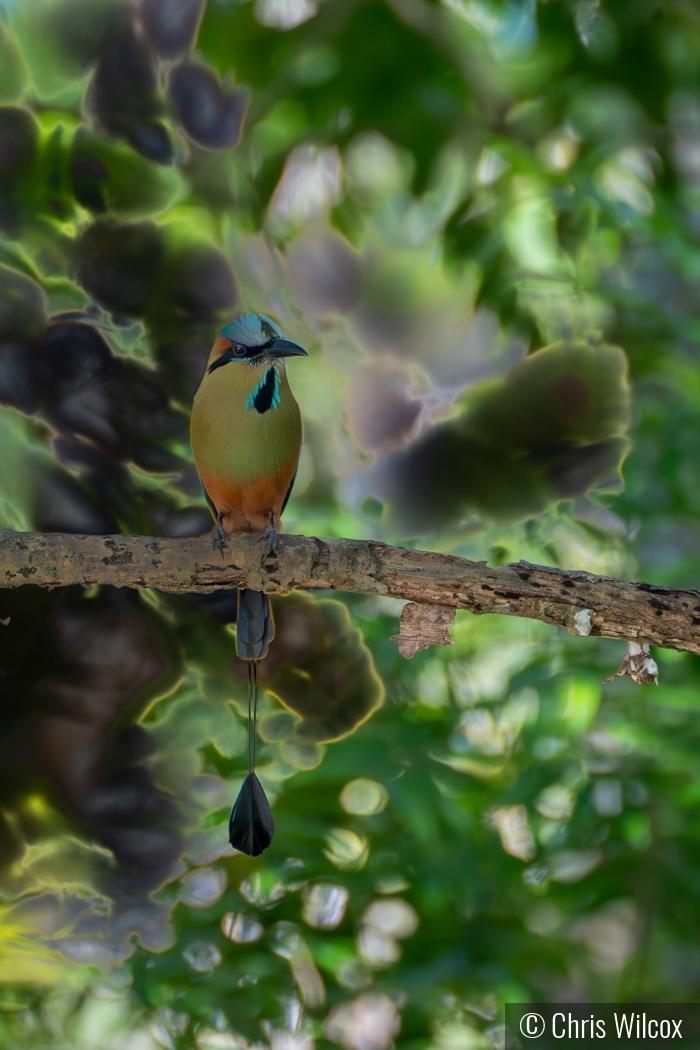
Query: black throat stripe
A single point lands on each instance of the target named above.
(265, 394)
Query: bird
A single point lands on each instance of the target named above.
(246, 435)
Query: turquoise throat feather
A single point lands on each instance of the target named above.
(266, 394)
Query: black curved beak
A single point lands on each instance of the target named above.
(284, 348)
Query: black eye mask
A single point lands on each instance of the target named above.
(250, 354)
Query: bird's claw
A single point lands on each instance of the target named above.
(271, 536)
(218, 540)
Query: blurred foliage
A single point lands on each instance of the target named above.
(482, 217)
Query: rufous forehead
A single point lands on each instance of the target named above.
(220, 346)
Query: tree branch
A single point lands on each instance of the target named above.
(578, 601)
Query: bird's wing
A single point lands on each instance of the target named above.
(289, 491)
(211, 506)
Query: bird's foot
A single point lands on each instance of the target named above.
(271, 537)
(218, 540)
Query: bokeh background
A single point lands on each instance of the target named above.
(482, 219)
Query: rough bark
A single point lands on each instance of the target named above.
(578, 601)
(423, 625)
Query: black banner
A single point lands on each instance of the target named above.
(645, 1026)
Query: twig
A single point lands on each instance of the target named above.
(639, 664)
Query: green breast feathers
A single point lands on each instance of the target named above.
(245, 421)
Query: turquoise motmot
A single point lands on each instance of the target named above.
(246, 435)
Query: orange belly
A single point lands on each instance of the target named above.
(247, 508)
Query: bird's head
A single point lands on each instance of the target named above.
(252, 339)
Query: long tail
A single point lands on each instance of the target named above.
(251, 826)
(255, 627)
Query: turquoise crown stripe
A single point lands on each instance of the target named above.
(248, 330)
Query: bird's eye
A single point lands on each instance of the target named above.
(238, 350)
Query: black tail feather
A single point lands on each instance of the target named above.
(255, 627)
(251, 826)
